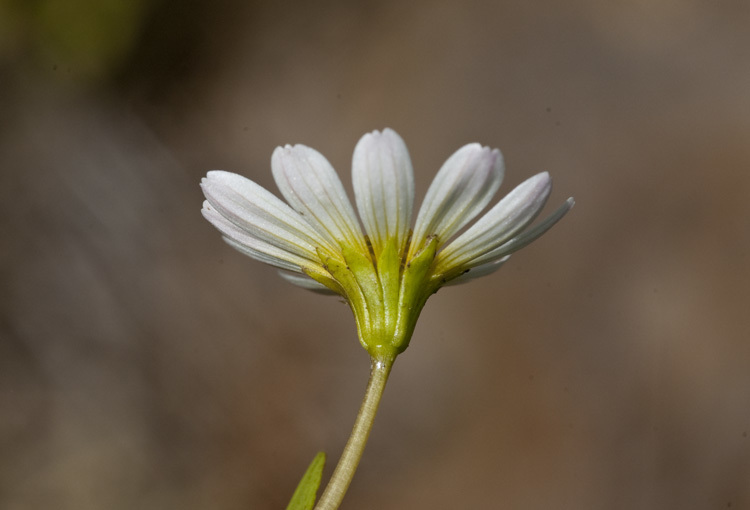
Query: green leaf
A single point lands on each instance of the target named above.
(307, 490)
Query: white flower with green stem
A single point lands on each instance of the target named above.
(387, 272)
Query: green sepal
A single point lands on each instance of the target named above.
(351, 291)
(325, 279)
(366, 276)
(307, 490)
(389, 270)
(413, 293)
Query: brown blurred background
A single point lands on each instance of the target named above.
(144, 364)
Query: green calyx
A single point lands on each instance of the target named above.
(386, 294)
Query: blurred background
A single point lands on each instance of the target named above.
(145, 364)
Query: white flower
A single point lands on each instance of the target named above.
(387, 273)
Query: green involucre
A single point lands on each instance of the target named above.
(386, 295)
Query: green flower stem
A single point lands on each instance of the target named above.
(344, 472)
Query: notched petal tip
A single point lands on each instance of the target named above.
(475, 154)
(473, 146)
(220, 177)
(531, 193)
(541, 177)
(218, 184)
(208, 179)
(387, 139)
(386, 134)
(296, 150)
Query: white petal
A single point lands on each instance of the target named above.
(525, 238)
(503, 221)
(383, 182)
(462, 188)
(479, 271)
(306, 282)
(254, 247)
(310, 185)
(261, 214)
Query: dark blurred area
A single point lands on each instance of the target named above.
(145, 364)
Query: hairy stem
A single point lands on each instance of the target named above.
(344, 472)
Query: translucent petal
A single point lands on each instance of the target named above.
(383, 182)
(254, 247)
(462, 188)
(261, 214)
(310, 185)
(513, 213)
(478, 271)
(306, 282)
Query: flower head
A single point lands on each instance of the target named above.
(387, 272)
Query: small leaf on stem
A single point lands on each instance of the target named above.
(307, 490)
